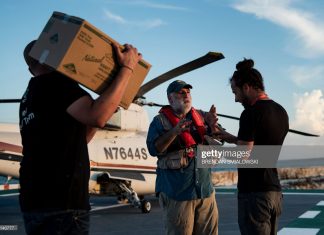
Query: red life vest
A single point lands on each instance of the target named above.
(186, 136)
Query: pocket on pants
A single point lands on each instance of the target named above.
(260, 208)
(278, 204)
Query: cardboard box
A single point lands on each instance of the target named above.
(82, 52)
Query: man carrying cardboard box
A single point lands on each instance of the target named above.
(81, 51)
(57, 120)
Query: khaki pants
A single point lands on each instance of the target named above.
(199, 216)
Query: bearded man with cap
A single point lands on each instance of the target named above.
(185, 191)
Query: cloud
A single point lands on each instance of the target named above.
(303, 24)
(152, 23)
(309, 112)
(115, 18)
(146, 24)
(304, 75)
(158, 5)
(149, 4)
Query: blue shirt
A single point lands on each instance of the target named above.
(184, 184)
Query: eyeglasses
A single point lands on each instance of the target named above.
(183, 92)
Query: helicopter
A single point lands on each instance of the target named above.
(120, 163)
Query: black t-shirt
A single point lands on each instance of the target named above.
(265, 123)
(55, 169)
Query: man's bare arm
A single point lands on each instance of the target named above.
(95, 113)
(164, 141)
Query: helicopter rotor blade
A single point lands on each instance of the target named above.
(227, 116)
(185, 68)
(10, 100)
(302, 133)
(290, 130)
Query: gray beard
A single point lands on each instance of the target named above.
(180, 107)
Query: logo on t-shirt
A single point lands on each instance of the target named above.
(26, 115)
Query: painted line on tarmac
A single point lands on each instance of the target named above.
(303, 193)
(310, 222)
(224, 193)
(309, 215)
(298, 231)
(221, 190)
(9, 194)
(99, 208)
(321, 203)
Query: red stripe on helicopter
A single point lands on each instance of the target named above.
(10, 147)
(92, 163)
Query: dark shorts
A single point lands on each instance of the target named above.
(74, 222)
(258, 212)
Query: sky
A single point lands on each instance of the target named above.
(285, 38)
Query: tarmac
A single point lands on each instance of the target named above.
(303, 213)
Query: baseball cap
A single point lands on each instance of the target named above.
(29, 60)
(177, 85)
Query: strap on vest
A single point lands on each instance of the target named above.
(173, 160)
(186, 136)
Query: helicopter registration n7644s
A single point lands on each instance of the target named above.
(123, 153)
